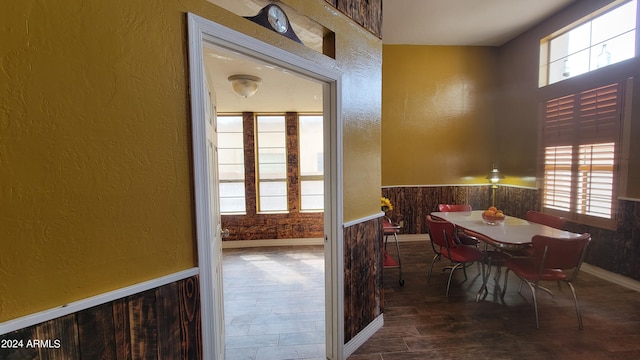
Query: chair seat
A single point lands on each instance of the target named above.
(528, 268)
(390, 230)
(463, 254)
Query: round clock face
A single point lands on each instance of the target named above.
(278, 19)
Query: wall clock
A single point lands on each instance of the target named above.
(273, 17)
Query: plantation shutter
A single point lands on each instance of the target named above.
(580, 137)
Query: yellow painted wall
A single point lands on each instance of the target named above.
(96, 189)
(438, 114)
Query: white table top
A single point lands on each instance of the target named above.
(512, 232)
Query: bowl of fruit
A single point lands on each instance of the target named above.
(493, 216)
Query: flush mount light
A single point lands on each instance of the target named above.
(244, 85)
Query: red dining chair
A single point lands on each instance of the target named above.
(540, 218)
(545, 219)
(460, 236)
(442, 234)
(391, 229)
(553, 259)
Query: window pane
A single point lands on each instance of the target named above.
(231, 156)
(273, 196)
(312, 195)
(272, 156)
(232, 205)
(272, 171)
(231, 172)
(571, 42)
(232, 197)
(271, 140)
(229, 124)
(311, 145)
(614, 50)
(230, 140)
(613, 23)
(271, 123)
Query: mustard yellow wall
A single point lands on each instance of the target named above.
(96, 189)
(437, 114)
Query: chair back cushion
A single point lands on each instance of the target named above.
(545, 219)
(561, 253)
(441, 232)
(454, 207)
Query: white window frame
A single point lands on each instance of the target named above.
(594, 45)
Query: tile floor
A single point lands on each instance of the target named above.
(274, 303)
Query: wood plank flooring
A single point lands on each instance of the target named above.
(420, 323)
(262, 287)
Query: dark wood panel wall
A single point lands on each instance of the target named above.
(363, 281)
(259, 226)
(617, 251)
(367, 13)
(162, 323)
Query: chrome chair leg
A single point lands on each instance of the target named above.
(575, 300)
(437, 256)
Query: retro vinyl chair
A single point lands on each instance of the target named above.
(443, 242)
(460, 236)
(545, 219)
(554, 260)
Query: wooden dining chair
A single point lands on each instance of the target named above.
(442, 234)
(553, 260)
(461, 237)
(545, 219)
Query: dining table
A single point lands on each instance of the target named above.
(511, 235)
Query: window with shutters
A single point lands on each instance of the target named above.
(581, 135)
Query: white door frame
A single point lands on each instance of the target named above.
(201, 30)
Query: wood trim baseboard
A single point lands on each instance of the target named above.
(76, 306)
(618, 279)
(364, 335)
(236, 244)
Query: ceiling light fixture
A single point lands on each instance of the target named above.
(244, 85)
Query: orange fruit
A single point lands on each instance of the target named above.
(489, 212)
(492, 208)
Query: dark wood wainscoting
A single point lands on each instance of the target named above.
(162, 323)
(363, 281)
(367, 13)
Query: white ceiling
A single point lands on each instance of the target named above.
(412, 22)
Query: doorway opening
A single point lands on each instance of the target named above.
(204, 33)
